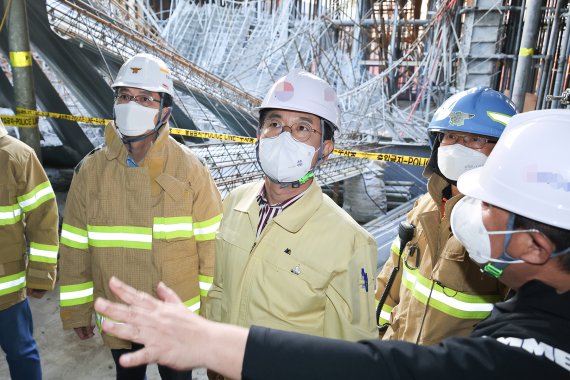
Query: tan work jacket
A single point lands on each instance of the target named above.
(156, 222)
(438, 292)
(28, 215)
(310, 271)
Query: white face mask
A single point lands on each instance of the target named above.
(132, 119)
(454, 160)
(467, 226)
(284, 159)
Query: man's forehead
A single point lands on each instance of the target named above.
(134, 89)
(288, 114)
(465, 133)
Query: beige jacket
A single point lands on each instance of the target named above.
(447, 293)
(310, 271)
(146, 224)
(28, 216)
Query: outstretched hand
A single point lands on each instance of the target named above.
(167, 329)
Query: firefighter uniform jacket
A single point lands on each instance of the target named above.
(438, 292)
(146, 224)
(28, 215)
(308, 271)
(527, 337)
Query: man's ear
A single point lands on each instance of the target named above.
(328, 147)
(538, 250)
(166, 113)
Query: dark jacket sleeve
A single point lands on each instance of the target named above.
(273, 354)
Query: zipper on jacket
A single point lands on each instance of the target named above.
(252, 247)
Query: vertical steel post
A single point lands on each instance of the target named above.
(528, 42)
(21, 62)
(562, 60)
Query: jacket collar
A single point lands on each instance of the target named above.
(117, 149)
(291, 219)
(3, 131)
(436, 228)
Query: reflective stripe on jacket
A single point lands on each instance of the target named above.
(309, 271)
(28, 216)
(146, 224)
(446, 294)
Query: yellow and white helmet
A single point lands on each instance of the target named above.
(147, 72)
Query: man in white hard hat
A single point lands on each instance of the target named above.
(142, 207)
(286, 255)
(514, 222)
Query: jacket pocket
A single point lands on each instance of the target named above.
(453, 250)
(11, 228)
(179, 267)
(458, 275)
(175, 223)
(307, 284)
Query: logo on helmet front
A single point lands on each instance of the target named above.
(457, 118)
(135, 70)
(284, 91)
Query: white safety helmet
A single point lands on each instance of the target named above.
(528, 171)
(147, 72)
(304, 92)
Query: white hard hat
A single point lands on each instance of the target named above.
(528, 171)
(304, 92)
(147, 72)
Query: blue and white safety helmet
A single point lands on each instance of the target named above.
(480, 110)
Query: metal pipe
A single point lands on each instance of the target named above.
(546, 72)
(526, 50)
(21, 63)
(393, 56)
(377, 22)
(562, 61)
(502, 8)
(517, 45)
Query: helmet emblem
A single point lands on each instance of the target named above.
(284, 91)
(457, 118)
(136, 70)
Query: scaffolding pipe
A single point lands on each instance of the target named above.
(562, 61)
(528, 41)
(392, 57)
(517, 45)
(546, 74)
(378, 22)
(21, 63)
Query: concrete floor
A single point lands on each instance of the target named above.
(64, 356)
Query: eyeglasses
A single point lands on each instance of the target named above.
(300, 131)
(473, 142)
(143, 100)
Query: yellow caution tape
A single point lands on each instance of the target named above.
(406, 160)
(83, 119)
(525, 52)
(212, 135)
(19, 121)
(20, 58)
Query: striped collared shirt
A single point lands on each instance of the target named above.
(268, 212)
